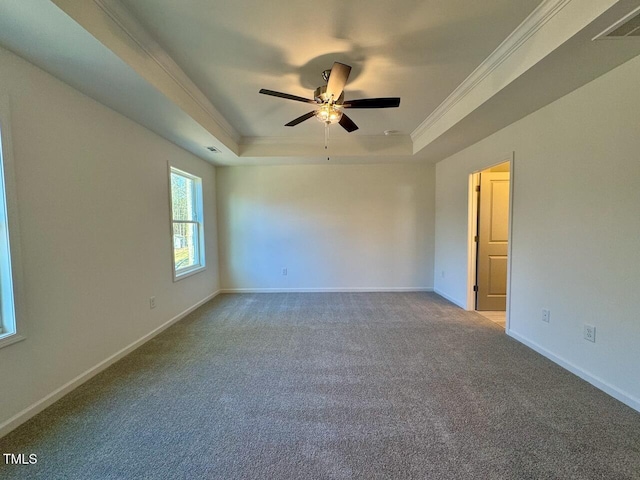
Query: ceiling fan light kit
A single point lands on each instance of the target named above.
(329, 113)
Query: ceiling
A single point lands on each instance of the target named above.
(416, 50)
(191, 70)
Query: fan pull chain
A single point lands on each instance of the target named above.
(326, 137)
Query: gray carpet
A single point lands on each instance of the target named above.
(332, 386)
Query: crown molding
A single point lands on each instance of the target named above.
(119, 31)
(129, 24)
(528, 28)
(354, 145)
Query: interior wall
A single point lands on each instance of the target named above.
(575, 228)
(93, 206)
(333, 227)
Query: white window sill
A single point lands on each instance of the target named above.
(187, 273)
(7, 339)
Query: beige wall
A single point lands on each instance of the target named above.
(332, 226)
(93, 208)
(576, 228)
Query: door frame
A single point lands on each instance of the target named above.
(474, 179)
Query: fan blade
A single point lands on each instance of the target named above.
(346, 123)
(301, 119)
(390, 102)
(337, 79)
(286, 95)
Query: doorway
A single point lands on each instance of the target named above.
(490, 193)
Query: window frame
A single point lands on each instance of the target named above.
(11, 321)
(179, 274)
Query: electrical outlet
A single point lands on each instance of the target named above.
(284, 271)
(546, 315)
(590, 333)
(152, 302)
(442, 274)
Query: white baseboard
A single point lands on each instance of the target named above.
(60, 392)
(451, 299)
(326, 290)
(615, 392)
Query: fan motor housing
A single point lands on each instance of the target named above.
(320, 96)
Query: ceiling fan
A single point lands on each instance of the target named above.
(330, 100)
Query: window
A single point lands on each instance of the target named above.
(8, 331)
(187, 228)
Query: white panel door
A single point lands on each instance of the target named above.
(493, 237)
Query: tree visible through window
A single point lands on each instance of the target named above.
(186, 217)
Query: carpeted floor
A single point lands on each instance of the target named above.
(332, 386)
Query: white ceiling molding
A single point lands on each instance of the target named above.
(112, 24)
(121, 15)
(345, 146)
(549, 26)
